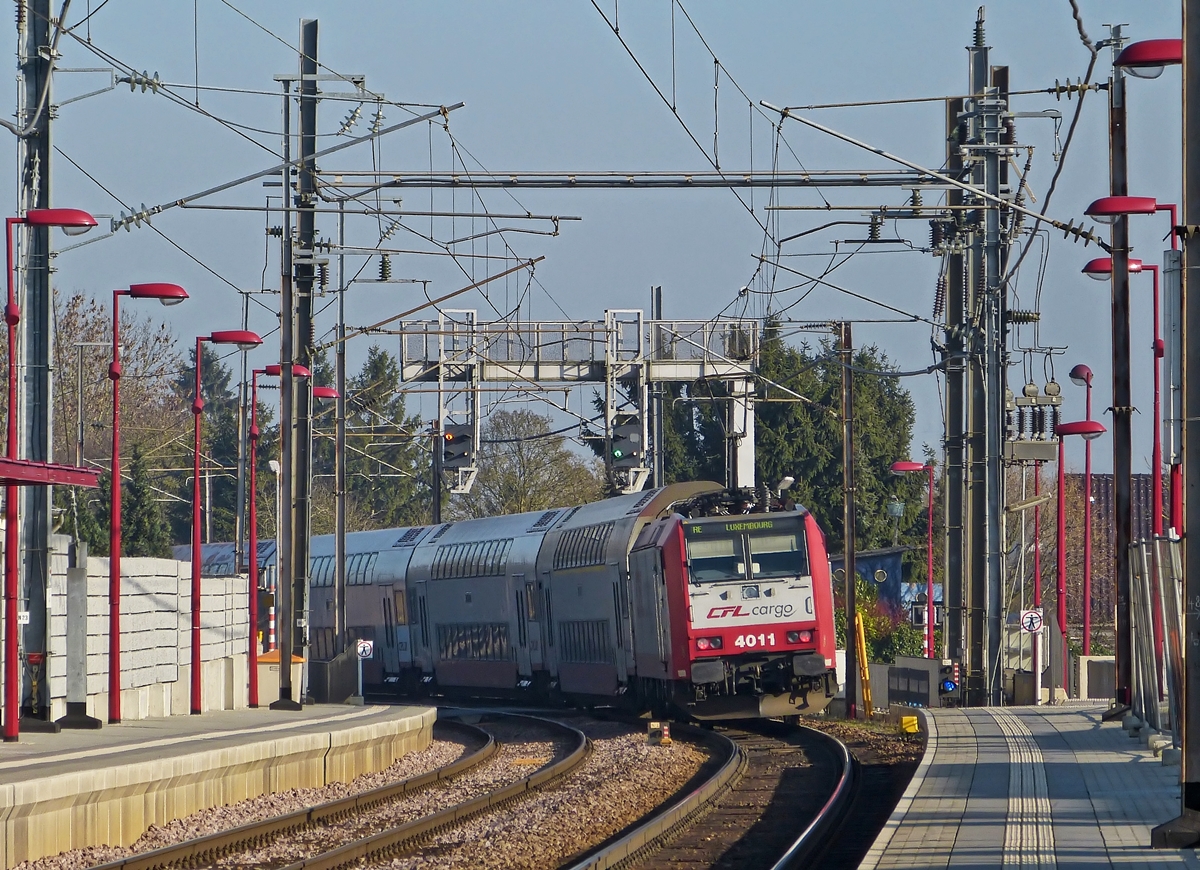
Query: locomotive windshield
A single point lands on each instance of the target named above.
(773, 556)
(717, 559)
(718, 550)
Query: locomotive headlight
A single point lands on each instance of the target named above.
(716, 642)
(804, 636)
(793, 637)
(702, 643)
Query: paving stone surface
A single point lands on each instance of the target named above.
(1032, 787)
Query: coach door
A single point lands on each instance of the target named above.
(385, 649)
(394, 652)
(419, 633)
(525, 626)
(620, 606)
(651, 635)
(545, 610)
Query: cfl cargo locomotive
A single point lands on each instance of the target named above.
(715, 602)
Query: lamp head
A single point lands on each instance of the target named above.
(72, 221)
(905, 466)
(1101, 267)
(243, 338)
(325, 393)
(786, 483)
(1081, 376)
(1108, 208)
(1089, 430)
(1147, 59)
(167, 294)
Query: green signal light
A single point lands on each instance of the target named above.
(618, 453)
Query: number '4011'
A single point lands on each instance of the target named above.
(752, 640)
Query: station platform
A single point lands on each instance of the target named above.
(86, 788)
(1031, 787)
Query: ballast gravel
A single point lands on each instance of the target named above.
(624, 779)
(438, 754)
(519, 756)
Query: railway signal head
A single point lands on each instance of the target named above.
(627, 448)
(948, 682)
(458, 446)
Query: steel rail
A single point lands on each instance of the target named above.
(813, 839)
(398, 838)
(636, 842)
(215, 845)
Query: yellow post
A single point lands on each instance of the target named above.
(864, 670)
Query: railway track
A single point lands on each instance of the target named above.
(776, 800)
(244, 846)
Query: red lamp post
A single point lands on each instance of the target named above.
(245, 340)
(69, 219)
(1081, 376)
(1089, 430)
(1100, 269)
(905, 467)
(273, 371)
(167, 294)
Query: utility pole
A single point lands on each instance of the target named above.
(849, 517)
(956, 377)
(304, 267)
(1184, 831)
(975, 669)
(339, 459)
(35, 337)
(1122, 400)
(995, 369)
(656, 389)
(435, 466)
(285, 561)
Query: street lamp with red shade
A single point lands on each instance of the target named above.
(1081, 376)
(244, 340)
(70, 220)
(906, 467)
(1089, 430)
(167, 294)
(271, 371)
(1148, 58)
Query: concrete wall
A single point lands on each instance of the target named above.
(156, 638)
(114, 805)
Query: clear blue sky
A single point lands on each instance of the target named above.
(547, 86)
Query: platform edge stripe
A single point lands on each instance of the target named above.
(884, 838)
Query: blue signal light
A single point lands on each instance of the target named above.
(948, 686)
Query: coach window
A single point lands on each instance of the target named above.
(716, 559)
(773, 556)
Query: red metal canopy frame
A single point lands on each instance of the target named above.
(25, 472)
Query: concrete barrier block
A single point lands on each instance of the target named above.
(1158, 743)
(1172, 756)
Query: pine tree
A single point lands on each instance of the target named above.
(387, 456)
(144, 525)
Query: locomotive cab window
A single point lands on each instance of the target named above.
(711, 559)
(775, 556)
